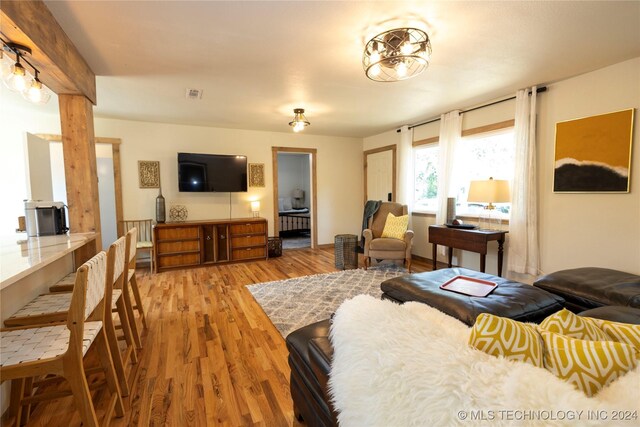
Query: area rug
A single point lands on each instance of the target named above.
(293, 303)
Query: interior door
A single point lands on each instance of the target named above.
(380, 176)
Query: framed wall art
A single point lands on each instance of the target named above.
(256, 174)
(149, 174)
(593, 154)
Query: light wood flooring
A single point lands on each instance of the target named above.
(211, 356)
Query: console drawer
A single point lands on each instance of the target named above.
(248, 228)
(244, 241)
(173, 233)
(247, 253)
(169, 261)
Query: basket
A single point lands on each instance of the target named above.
(274, 245)
(345, 251)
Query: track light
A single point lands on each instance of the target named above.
(16, 78)
(36, 92)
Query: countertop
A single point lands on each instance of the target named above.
(21, 255)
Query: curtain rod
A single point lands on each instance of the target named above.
(538, 90)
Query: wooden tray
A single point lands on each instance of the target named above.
(469, 286)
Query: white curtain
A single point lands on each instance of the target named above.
(450, 134)
(523, 255)
(405, 169)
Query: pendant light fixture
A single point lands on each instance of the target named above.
(16, 78)
(397, 54)
(299, 120)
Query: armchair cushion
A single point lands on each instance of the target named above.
(395, 227)
(387, 244)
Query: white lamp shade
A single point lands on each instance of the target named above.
(489, 191)
(255, 206)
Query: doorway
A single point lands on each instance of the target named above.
(294, 192)
(380, 174)
(109, 185)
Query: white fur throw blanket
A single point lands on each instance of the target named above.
(410, 365)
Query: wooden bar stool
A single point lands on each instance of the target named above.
(60, 349)
(54, 307)
(130, 283)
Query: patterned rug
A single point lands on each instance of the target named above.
(293, 303)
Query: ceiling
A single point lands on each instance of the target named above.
(256, 61)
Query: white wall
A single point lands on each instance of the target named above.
(339, 171)
(601, 230)
(293, 173)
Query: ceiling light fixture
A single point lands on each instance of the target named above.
(299, 120)
(16, 78)
(396, 55)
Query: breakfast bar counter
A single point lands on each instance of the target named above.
(21, 256)
(29, 265)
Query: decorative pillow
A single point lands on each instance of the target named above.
(499, 336)
(286, 204)
(280, 204)
(566, 323)
(588, 365)
(620, 332)
(395, 226)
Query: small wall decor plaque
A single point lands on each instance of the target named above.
(149, 173)
(256, 174)
(593, 154)
(178, 213)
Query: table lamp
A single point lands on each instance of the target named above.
(255, 208)
(298, 196)
(489, 191)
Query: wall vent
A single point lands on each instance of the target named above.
(194, 94)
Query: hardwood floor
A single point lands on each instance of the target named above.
(211, 356)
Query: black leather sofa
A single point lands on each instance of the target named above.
(592, 287)
(310, 351)
(310, 355)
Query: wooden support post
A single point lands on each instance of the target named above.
(79, 149)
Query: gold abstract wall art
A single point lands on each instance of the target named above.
(149, 174)
(593, 154)
(256, 174)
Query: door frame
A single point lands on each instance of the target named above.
(393, 150)
(314, 189)
(115, 149)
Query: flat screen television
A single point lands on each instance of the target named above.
(212, 173)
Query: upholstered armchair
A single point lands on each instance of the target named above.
(381, 248)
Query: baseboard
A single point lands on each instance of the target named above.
(326, 246)
(429, 261)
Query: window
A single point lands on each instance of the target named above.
(426, 177)
(478, 157)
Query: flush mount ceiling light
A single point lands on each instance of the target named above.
(396, 55)
(16, 78)
(299, 120)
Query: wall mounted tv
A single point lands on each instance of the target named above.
(212, 173)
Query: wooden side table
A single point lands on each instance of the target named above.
(467, 240)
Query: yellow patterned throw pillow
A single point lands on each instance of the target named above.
(396, 226)
(620, 332)
(566, 323)
(513, 340)
(589, 365)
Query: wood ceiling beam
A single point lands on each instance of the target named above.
(63, 69)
